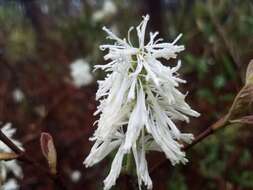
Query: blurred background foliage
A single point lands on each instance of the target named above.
(39, 39)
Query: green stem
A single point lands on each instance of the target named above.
(129, 163)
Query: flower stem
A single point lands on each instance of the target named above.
(129, 163)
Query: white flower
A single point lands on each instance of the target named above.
(9, 132)
(109, 9)
(18, 95)
(80, 72)
(44, 8)
(9, 166)
(139, 103)
(75, 176)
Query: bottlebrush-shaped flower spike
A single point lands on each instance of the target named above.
(139, 103)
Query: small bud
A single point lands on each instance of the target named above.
(249, 73)
(242, 104)
(49, 151)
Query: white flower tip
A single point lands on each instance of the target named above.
(86, 165)
(187, 120)
(131, 28)
(146, 17)
(101, 47)
(108, 183)
(197, 114)
(88, 162)
(179, 63)
(106, 187)
(177, 38)
(194, 114)
(85, 162)
(187, 138)
(106, 30)
(8, 126)
(184, 161)
(149, 185)
(92, 138)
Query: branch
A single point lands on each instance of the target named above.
(10, 144)
(210, 130)
(7, 156)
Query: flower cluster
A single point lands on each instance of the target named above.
(139, 102)
(9, 166)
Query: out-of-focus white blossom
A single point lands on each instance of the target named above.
(114, 28)
(139, 104)
(41, 110)
(9, 166)
(44, 8)
(18, 95)
(109, 9)
(75, 176)
(80, 72)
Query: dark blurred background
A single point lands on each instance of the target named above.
(41, 39)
